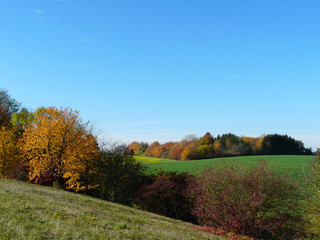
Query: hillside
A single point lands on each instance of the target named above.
(34, 212)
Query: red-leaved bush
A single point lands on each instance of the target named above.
(166, 194)
(46, 178)
(248, 200)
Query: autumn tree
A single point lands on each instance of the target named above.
(150, 152)
(83, 169)
(258, 144)
(8, 151)
(57, 143)
(134, 147)
(207, 139)
(217, 146)
(175, 151)
(205, 151)
(189, 152)
(138, 148)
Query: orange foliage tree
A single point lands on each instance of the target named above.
(189, 152)
(8, 151)
(138, 148)
(159, 151)
(150, 152)
(175, 151)
(135, 147)
(57, 143)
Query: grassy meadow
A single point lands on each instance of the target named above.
(35, 212)
(294, 164)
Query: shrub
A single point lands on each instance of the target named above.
(118, 174)
(248, 200)
(165, 194)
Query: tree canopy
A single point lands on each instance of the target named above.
(58, 143)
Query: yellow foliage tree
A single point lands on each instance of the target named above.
(249, 140)
(254, 143)
(8, 151)
(59, 144)
(217, 146)
(258, 143)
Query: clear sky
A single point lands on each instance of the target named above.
(151, 70)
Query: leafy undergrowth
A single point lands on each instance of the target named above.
(34, 212)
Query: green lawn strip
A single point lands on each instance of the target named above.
(35, 212)
(152, 160)
(294, 164)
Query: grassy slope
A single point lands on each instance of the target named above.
(294, 163)
(35, 212)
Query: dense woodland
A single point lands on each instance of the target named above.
(54, 147)
(208, 146)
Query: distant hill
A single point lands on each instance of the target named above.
(35, 212)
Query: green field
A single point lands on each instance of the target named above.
(35, 212)
(295, 164)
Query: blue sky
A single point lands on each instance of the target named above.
(159, 70)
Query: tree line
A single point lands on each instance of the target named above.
(208, 146)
